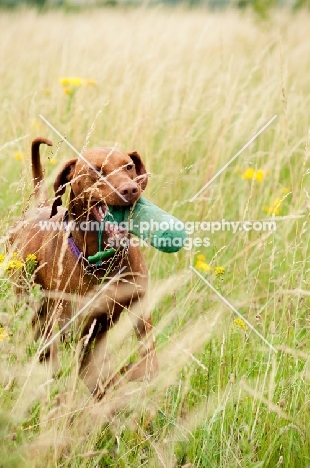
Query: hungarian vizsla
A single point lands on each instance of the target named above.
(103, 177)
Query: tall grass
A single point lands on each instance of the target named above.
(186, 89)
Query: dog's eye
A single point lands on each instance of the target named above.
(129, 167)
(99, 169)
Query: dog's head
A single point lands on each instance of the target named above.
(105, 176)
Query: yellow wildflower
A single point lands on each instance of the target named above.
(285, 190)
(64, 81)
(219, 271)
(240, 323)
(73, 81)
(2, 257)
(274, 208)
(201, 257)
(15, 263)
(259, 175)
(47, 91)
(68, 90)
(31, 258)
(76, 81)
(248, 174)
(251, 173)
(52, 161)
(201, 264)
(19, 156)
(90, 82)
(3, 334)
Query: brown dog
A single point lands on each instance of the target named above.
(63, 271)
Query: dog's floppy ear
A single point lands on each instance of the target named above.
(64, 176)
(140, 169)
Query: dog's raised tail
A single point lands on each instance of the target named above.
(40, 192)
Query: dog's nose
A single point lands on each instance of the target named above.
(129, 191)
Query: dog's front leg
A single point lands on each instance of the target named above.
(43, 325)
(95, 369)
(147, 366)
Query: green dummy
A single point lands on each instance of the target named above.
(148, 222)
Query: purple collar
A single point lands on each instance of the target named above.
(106, 266)
(77, 254)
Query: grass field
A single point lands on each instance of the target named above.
(187, 90)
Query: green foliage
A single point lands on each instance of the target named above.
(10, 456)
(298, 4)
(261, 8)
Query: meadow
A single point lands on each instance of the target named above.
(187, 89)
